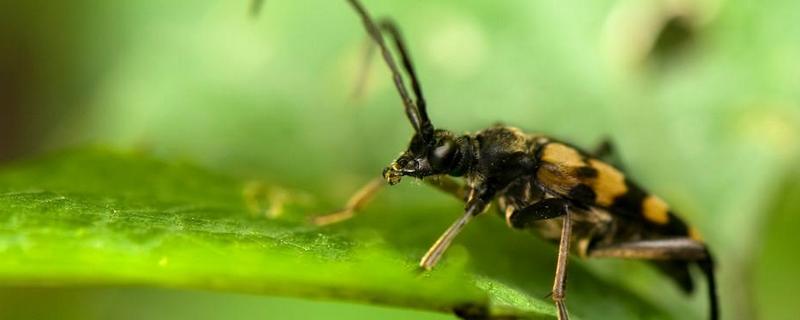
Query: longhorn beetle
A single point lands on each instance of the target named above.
(566, 194)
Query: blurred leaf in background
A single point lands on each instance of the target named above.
(701, 98)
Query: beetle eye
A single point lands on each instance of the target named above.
(442, 155)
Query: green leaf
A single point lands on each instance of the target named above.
(98, 217)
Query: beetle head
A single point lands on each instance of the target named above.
(443, 154)
(431, 151)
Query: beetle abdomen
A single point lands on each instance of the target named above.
(567, 171)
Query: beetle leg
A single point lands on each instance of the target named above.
(448, 185)
(354, 204)
(359, 199)
(663, 249)
(543, 209)
(560, 282)
(604, 149)
(607, 151)
(676, 249)
(547, 209)
(475, 206)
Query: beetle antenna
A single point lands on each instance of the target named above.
(415, 112)
(390, 27)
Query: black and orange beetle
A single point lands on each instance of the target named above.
(568, 195)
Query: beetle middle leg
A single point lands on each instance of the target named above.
(547, 209)
(560, 282)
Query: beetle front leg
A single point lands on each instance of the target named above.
(360, 199)
(475, 206)
(354, 204)
(448, 185)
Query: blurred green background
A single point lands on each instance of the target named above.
(701, 98)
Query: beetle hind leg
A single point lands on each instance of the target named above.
(675, 249)
(607, 151)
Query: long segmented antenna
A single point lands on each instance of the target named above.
(416, 113)
(394, 32)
